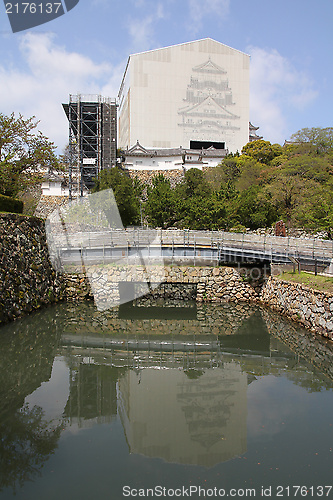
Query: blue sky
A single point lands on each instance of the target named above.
(86, 50)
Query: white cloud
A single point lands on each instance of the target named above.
(277, 89)
(45, 58)
(199, 9)
(142, 29)
(50, 74)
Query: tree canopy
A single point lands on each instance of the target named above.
(126, 192)
(265, 183)
(24, 151)
(262, 151)
(320, 138)
(160, 207)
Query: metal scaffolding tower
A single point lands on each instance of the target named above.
(92, 139)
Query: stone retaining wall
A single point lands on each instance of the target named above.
(212, 284)
(146, 176)
(311, 308)
(27, 279)
(224, 284)
(47, 204)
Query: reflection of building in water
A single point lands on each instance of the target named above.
(93, 395)
(182, 406)
(194, 418)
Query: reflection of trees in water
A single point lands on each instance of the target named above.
(27, 351)
(26, 443)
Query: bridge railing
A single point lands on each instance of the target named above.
(262, 243)
(140, 237)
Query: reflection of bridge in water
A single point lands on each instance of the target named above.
(179, 386)
(172, 328)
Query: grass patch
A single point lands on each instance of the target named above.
(323, 283)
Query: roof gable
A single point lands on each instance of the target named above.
(202, 41)
(138, 149)
(209, 67)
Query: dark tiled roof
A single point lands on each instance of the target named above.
(139, 150)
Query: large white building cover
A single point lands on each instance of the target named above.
(196, 91)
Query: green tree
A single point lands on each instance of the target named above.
(320, 138)
(24, 153)
(195, 184)
(189, 199)
(262, 151)
(202, 213)
(311, 167)
(287, 193)
(254, 210)
(227, 171)
(315, 210)
(160, 207)
(126, 193)
(227, 191)
(251, 173)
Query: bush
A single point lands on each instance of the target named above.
(12, 205)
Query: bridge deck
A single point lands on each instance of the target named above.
(218, 246)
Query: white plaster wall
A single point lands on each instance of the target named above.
(167, 163)
(53, 189)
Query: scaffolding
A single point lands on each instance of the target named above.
(92, 123)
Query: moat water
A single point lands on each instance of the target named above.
(173, 400)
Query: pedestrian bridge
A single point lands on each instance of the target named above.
(190, 247)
